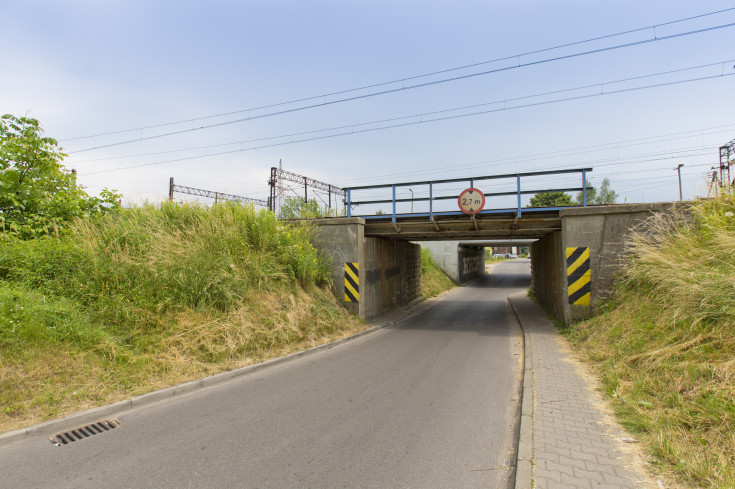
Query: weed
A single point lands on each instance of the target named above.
(149, 297)
(665, 345)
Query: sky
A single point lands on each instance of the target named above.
(216, 93)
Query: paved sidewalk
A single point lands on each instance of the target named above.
(565, 441)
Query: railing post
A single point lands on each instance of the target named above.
(349, 203)
(584, 188)
(518, 186)
(431, 201)
(394, 202)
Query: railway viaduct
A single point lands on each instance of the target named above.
(575, 252)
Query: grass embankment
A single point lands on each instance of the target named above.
(665, 345)
(433, 279)
(152, 297)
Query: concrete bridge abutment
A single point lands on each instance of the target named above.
(604, 233)
(388, 270)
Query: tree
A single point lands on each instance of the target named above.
(37, 195)
(604, 196)
(298, 208)
(551, 199)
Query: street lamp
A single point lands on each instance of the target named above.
(411, 190)
(678, 170)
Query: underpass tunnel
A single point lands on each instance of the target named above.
(464, 260)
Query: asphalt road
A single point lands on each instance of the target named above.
(430, 402)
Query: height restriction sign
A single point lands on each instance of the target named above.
(471, 201)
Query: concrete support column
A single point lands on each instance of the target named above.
(548, 273)
(389, 270)
(344, 241)
(606, 232)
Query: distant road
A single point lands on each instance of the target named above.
(429, 402)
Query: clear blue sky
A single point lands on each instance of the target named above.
(85, 68)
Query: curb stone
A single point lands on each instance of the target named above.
(524, 454)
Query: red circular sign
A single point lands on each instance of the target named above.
(471, 201)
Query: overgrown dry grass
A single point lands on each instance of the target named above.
(153, 297)
(665, 345)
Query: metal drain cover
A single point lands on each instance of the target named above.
(83, 432)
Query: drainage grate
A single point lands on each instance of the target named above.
(84, 432)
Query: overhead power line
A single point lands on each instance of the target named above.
(415, 77)
(404, 87)
(617, 145)
(424, 117)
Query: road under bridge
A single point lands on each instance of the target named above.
(574, 254)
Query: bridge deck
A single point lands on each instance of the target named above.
(532, 224)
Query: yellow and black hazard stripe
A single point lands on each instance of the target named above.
(578, 276)
(352, 282)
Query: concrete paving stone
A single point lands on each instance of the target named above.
(563, 453)
(575, 464)
(568, 431)
(543, 455)
(587, 458)
(553, 485)
(594, 437)
(596, 474)
(599, 451)
(571, 481)
(541, 474)
(606, 460)
(581, 442)
(575, 447)
(562, 468)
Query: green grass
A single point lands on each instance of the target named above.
(433, 279)
(150, 297)
(664, 347)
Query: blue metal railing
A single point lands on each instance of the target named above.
(519, 192)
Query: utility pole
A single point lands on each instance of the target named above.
(678, 170)
(411, 190)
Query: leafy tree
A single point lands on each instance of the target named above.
(37, 196)
(551, 199)
(298, 208)
(604, 196)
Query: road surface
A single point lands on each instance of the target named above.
(430, 402)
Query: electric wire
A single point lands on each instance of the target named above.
(415, 77)
(444, 118)
(393, 90)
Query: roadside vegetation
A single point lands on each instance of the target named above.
(38, 197)
(139, 299)
(664, 346)
(433, 279)
(100, 303)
